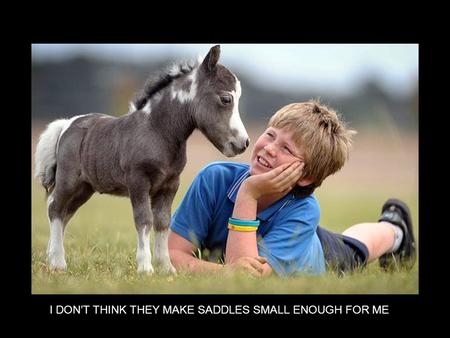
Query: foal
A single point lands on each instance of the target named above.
(140, 154)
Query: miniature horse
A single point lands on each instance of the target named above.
(140, 154)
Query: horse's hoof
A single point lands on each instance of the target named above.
(146, 269)
(168, 270)
(58, 266)
(56, 262)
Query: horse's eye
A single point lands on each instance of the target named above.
(226, 99)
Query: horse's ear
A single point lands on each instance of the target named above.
(212, 58)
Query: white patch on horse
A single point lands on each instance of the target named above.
(235, 120)
(143, 254)
(131, 107)
(147, 108)
(55, 248)
(185, 96)
(161, 250)
(174, 70)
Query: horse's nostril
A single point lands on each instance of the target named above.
(247, 143)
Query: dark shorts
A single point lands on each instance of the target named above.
(342, 253)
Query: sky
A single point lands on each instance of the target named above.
(329, 67)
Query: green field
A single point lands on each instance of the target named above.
(100, 244)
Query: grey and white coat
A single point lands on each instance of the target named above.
(140, 154)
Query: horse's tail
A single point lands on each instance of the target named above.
(45, 157)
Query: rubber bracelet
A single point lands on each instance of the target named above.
(242, 228)
(242, 222)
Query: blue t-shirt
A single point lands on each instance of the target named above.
(287, 232)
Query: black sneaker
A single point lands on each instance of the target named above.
(397, 212)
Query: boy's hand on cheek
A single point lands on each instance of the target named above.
(279, 180)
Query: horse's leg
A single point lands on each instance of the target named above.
(143, 220)
(161, 206)
(61, 206)
(55, 248)
(81, 196)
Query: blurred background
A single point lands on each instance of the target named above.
(373, 86)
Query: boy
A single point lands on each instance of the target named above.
(264, 218)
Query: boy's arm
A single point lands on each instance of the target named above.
(243, 244)
(279, 180)
(181, 256)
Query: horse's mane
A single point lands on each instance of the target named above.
(162, 79)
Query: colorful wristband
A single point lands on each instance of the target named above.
(241, 228)
(243, 222)
(242, 225)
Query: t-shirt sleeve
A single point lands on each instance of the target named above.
(291, 245)
(193, 215)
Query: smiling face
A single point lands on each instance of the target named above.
(274, 148)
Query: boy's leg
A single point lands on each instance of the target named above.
(342, 253)
(380, 237)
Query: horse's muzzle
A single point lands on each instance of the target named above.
(235, 148)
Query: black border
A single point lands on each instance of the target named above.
(411, 306)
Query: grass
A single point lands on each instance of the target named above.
(100, 244)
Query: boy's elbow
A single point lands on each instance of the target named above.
(176, 259)
(182, 260)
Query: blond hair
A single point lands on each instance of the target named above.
(321, 132)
